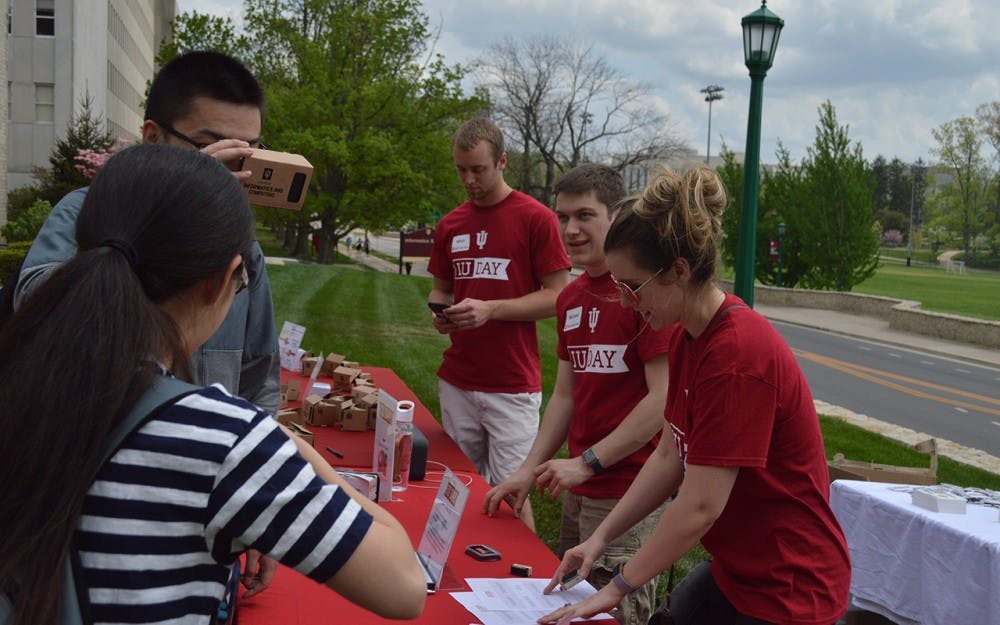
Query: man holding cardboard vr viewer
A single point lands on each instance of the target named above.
(210, 102)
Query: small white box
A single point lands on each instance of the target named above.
(938, 501)
(320, 388)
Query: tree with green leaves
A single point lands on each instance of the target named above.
(86, 131)
(840, 240)
(961, 201)
(826, 203)
(356, 87)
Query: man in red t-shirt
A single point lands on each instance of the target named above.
(497, 260)
(609, 394)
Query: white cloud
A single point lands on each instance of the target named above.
(894, 69)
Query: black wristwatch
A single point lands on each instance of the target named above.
(592, 461)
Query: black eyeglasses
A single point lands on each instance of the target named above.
(201, 145)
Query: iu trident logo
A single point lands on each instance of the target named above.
(481, 238)
(592, 316)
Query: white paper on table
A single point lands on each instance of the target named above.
(526, 594)
(489, 617)
(506, 617)
(289, 342)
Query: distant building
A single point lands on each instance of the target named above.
(59, 51)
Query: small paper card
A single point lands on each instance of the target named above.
(289, 342)
(442, 525)
(385, 443)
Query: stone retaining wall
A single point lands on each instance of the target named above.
(903, 315)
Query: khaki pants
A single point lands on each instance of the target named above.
(581, 516)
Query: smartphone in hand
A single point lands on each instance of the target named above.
(438, 309)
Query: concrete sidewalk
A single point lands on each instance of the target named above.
(876, 329)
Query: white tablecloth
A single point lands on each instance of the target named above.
(916, 566)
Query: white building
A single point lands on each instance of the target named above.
(60, 51)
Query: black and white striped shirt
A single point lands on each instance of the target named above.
(186, 494)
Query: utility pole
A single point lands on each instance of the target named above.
(712, 93)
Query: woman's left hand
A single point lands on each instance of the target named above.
(258, 572)
(604, 601)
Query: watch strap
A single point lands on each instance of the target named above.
(592, 461)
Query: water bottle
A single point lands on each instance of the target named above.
(404, 446)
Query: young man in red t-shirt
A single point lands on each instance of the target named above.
(609, 395)
(498, 261)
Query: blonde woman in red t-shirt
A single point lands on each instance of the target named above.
(741, 448)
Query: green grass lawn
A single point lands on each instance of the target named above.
(381, 319)
(973, 293)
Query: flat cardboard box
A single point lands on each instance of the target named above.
(291, 390)
(308, 364)
(290, 416)
(330, 363)
(330, 411)
(307, 407)
(354, 420)
(302, 433)
(343, 378)
(278, 179)
(361, 390)
(842, 469)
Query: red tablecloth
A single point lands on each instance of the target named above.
(293, 599)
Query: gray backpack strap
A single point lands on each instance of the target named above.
(164, 392)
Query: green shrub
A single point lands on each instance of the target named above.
(28, 223)
(11, 256)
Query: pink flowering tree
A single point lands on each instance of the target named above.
(88, 162)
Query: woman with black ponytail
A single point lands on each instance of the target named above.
(160, 245)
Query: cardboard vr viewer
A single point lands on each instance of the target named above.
(278, 179)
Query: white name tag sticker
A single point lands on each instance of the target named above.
(573, 317)
(460, 243)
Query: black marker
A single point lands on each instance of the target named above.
(335, 452)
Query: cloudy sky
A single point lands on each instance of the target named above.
(893, 69)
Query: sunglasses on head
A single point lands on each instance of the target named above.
(628, 293)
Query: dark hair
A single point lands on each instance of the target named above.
(479, 129)
(674, 217)
(79, 353)
(606, 183)
(203, 73)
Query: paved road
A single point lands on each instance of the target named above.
(944, 397)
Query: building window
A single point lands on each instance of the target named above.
(10, 98)
(45, 17)
(45, 102)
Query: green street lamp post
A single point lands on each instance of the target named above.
(761, 30)
(781, 250)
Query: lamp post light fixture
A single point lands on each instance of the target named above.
(781, 250)
(712, 93)
(761, 30)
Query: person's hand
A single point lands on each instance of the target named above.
(604, 601)
(562, 474)
(258, 572)
(229, 152)
(443, 325)
(580, 558)
(514, 490)
(471, 313)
